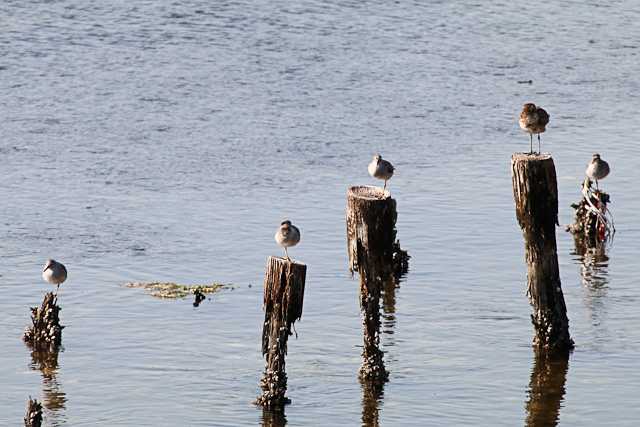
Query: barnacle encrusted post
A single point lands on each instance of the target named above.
(283, 298)
(33, 417)
(593, 222)
(45, 332)
(371, 233)
(535, 191)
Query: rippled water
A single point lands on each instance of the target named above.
(157, 140)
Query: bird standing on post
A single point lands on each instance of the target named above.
(381, 169)
(597, 169)
(287, 235)
(54, 273)
(533, 120)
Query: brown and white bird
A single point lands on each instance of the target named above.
(533, 120)
(381, 169)
(54, 273)
(597, 169)
(287, 235)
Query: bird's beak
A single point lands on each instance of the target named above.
(45, 269)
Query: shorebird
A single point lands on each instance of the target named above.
(54, 273)
(381, 169)
(533, 120)
(597, 169)
(287, 235)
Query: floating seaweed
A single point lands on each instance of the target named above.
(170, 290)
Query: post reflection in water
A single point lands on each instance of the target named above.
(372, 393)
(546, 388)
(389, 308)
(54, 398)
(273, 418)
(594, 271)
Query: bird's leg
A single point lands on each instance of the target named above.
(385, 185)
(531, 143)
(539, 144)
(286, 254)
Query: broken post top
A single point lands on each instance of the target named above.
(368, 192)
(519, 157)
(282, 260)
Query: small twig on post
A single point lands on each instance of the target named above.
(283, 299)
(45, 332)
(371, 235)
(535, 191)
(33, 417)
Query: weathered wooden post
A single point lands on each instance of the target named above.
(33, 417)
(371, 233)
(283, 298)
(546, 388)
(535, 191)
(45, 332)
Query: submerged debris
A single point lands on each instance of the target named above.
(45, 332)
(198, 297)
(593, 220)
(170, 290)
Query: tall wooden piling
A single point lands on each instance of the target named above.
(33, 416)
(535, 191)
(45, 331)
(283, 299)
(371, 233)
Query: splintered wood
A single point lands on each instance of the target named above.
(535, 191)
(283, 300)
(371, 234)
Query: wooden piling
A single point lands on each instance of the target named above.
(283, 299)
(535, 191)
(33, 417)
(45, 332)
(371, 233)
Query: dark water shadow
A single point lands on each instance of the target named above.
(372, 395)
(273, 418)
(546, 389)
(53, 397)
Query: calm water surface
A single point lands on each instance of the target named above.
(158, 140)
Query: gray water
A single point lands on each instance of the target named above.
(157, 140)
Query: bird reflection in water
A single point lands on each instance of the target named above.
(273, 418)
(372, 393)
(54, 398)
(546, 388)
